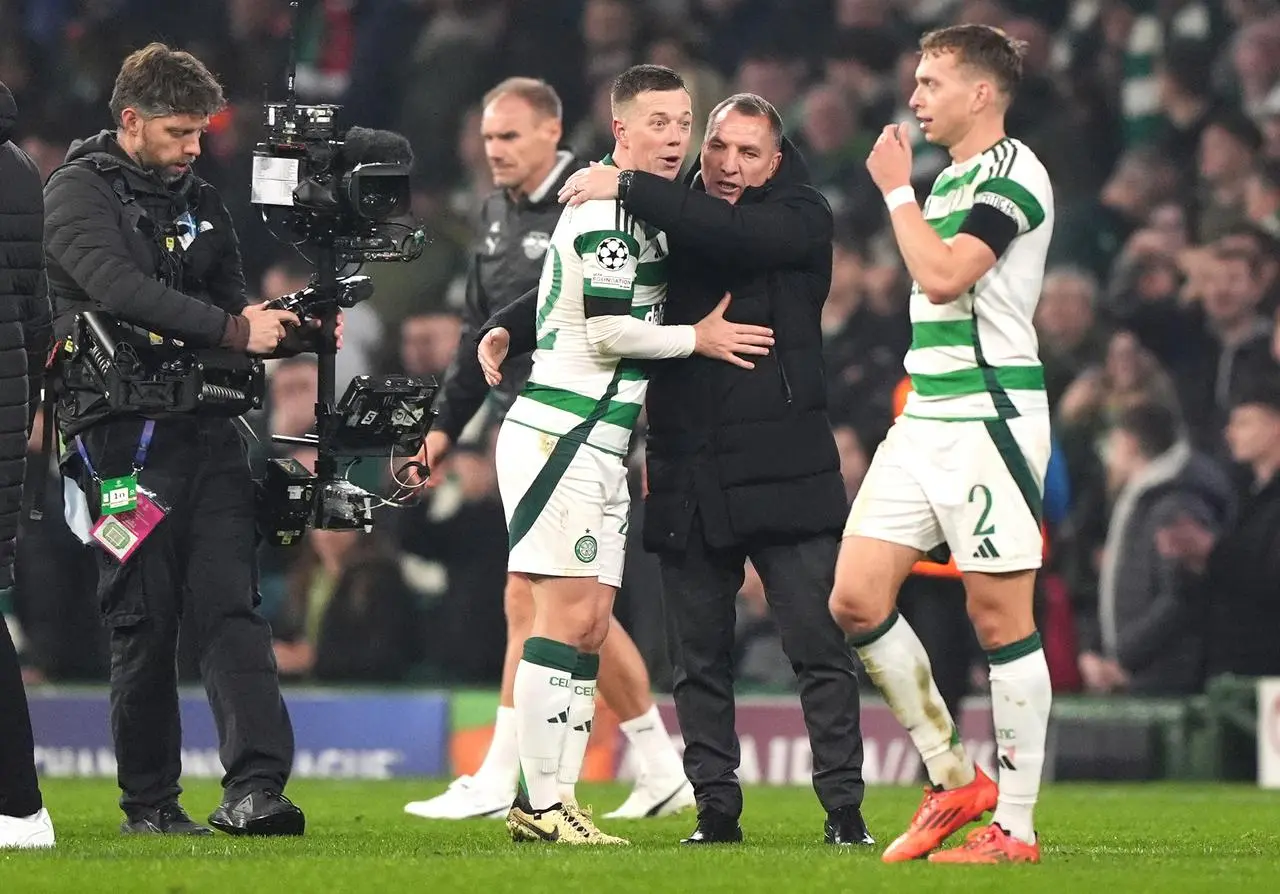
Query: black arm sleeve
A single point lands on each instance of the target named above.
(465, 389)
(785, 229)
(84, 237)
(991, 226)
(518, 318)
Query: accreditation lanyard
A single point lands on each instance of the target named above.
(120, 494)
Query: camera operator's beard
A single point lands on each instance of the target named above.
(166, 173)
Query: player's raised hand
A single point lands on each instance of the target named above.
(723, 339)
(492, 352)
(594, 182)
(890, 160)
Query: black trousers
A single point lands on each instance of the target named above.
(19, 788)
(699, 588)
(200, 561)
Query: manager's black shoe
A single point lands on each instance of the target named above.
(262, 812)
(845, 826)
(167, 819)
(715, 828)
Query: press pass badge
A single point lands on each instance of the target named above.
(122, 533)
(128, 512)
(119, 494)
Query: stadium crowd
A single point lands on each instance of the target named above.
(1158, 120)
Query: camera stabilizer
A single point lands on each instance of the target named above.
(338, 195)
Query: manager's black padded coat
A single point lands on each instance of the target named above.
(24, 321)
(750, 450)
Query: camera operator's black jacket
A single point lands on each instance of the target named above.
(750, 450)
(506, 262)
(24, 321)
(103, 256)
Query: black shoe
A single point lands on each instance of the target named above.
(715, 828)
(258, 813)
(167, 819)
(845, 826)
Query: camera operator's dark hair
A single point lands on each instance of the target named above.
(988, 49)
(159, 81)
(642, 78)
(540, 95)
(752, 106)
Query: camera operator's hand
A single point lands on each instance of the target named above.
(267, 327)
(721, 339)
(339, 323)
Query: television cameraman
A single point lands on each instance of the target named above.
(133, 233)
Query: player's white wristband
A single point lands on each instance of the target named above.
(899, 196)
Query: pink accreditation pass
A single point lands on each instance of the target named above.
(121, 534)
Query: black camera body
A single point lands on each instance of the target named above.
(136, 373)
(377, 416)
(311, 303)
(345, 196)
(339, 190)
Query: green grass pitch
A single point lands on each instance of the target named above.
(1099, 839)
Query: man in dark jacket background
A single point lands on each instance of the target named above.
(24, 344)
(741, 462)
(1237, 568)
(1147, 634)
(132, 233)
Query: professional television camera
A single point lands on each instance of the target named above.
(339, 195)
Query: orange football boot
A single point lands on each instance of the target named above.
(943, 812)
(990, 844)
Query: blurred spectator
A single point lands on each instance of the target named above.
(1262, 198)
(1239, 567)
(836, 150)
(291, 396)
(428, 342)
(866, 333)
(1145, 635)
(592, 138)
(1091, 234)
(1150, 266)
(349, 615)
(1186, 98)
(1255, 60)
(610, 29)
(776, 76)
(1130, 376)
(706, 86)
(1216, 346)
(1269, 122)
(1070, 339)
(1229, 145)
(446, 71)
(862, 63)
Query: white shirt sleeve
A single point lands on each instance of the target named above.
(620, 335)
